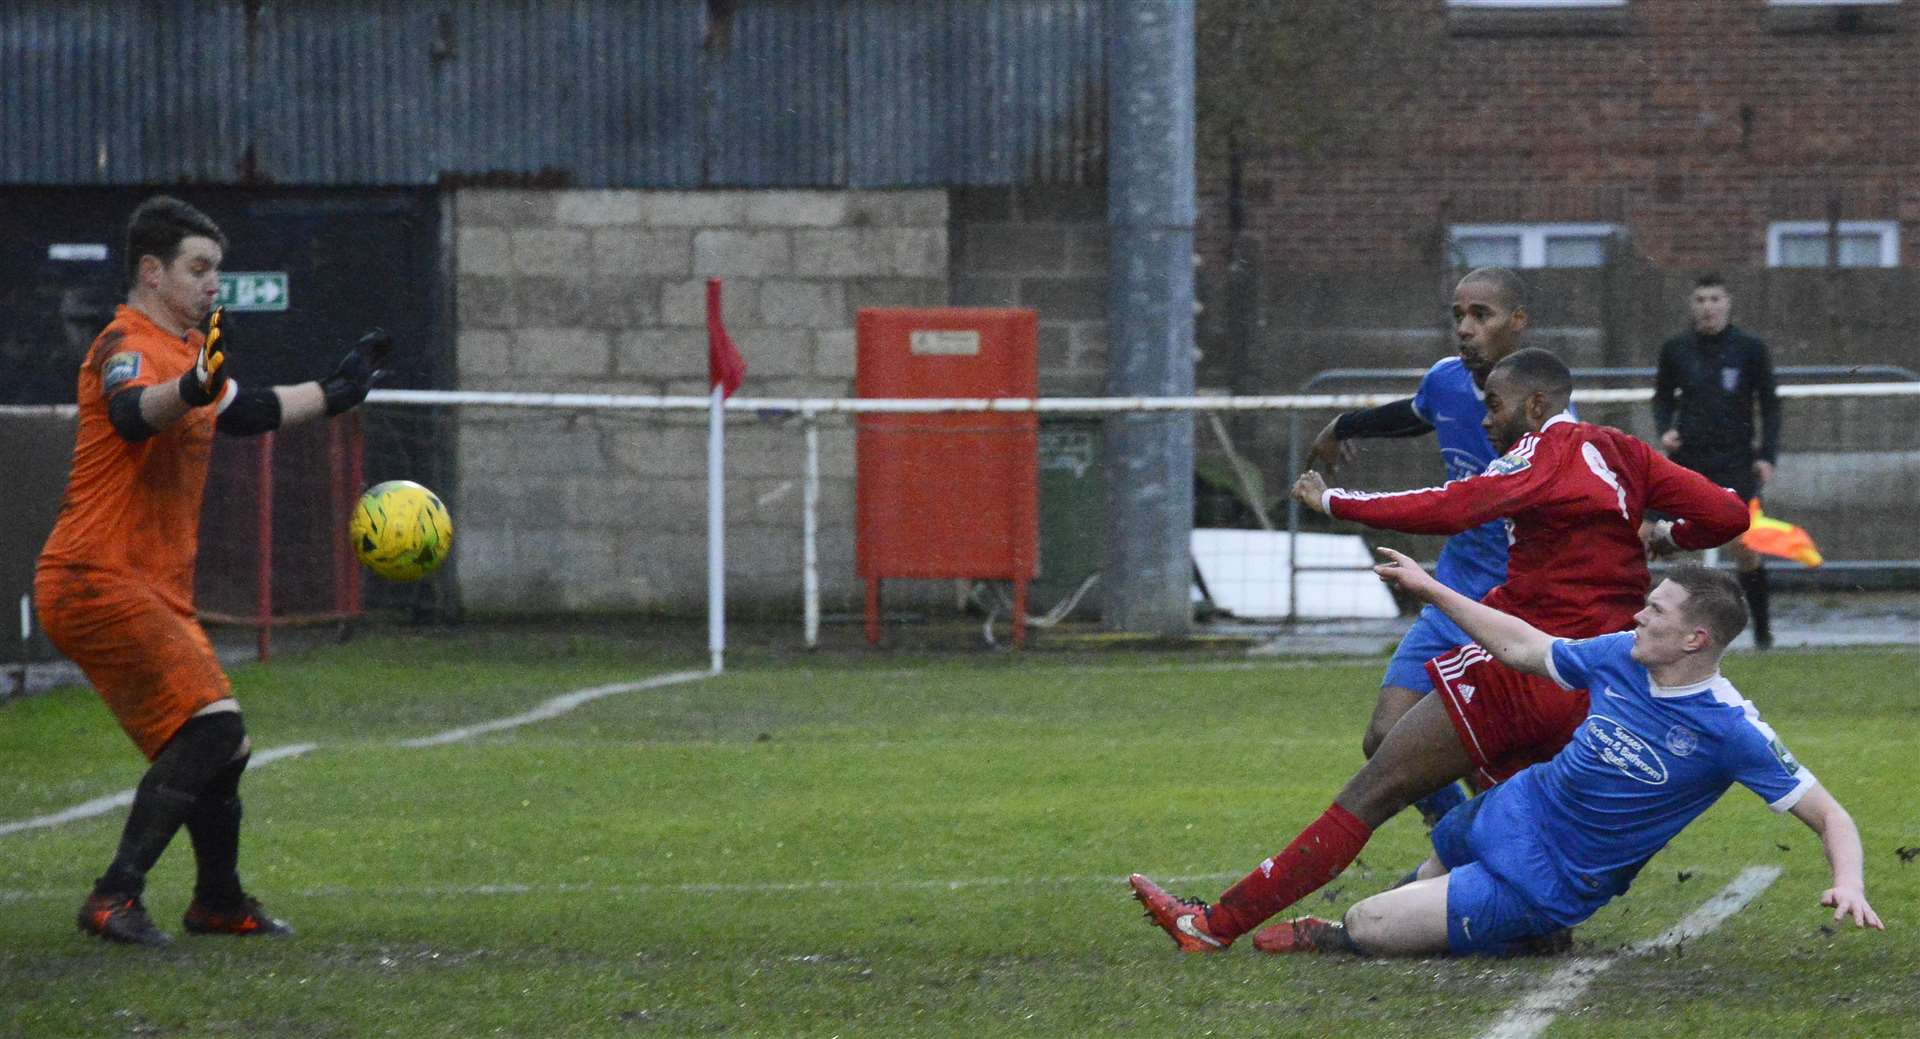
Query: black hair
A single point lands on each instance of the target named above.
(1710, 280)
(1513, 291)
(157, 228)
(1537, 369)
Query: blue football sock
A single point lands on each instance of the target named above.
(1436, 805)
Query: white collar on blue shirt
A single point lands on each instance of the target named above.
(1668, 692)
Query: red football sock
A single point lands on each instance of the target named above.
(1316, 856)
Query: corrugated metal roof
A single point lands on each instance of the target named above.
(977, 93)
(860, 93)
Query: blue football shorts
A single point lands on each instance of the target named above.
(1486, 915)
(1451, 835)
(1432, 635)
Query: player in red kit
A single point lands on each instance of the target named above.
(1573, 495)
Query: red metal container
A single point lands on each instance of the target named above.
(940, 496)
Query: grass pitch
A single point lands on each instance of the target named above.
(881, 845)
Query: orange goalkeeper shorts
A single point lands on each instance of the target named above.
(152, 664)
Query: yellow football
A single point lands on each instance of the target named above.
(401, 530)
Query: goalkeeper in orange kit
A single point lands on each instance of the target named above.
(114, 586)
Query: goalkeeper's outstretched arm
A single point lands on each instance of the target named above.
(1512, 641)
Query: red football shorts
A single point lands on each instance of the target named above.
(1505, 719)
(152, 665)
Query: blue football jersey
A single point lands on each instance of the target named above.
(1571, 834)
(1472, 561)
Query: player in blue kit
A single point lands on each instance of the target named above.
(1666, 734)
(1490, 316)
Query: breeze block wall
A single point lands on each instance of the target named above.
(604, 291)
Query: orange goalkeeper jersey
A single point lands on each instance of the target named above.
(132, 511)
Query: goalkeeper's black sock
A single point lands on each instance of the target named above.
(167, 795)
(1754, 584)
(214, 825)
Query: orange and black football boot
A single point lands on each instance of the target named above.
(247, 918)
(121, 918)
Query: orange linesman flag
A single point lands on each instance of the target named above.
(1772, 537)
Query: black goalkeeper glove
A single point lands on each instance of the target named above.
(203, 383)
(363, 365)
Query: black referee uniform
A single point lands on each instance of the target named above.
(1708, 388)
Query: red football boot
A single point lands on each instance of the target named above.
(1184, 919)
(1301, 934)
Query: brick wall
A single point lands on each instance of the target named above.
(1694, 124)
(604, 292)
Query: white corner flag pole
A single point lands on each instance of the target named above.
(716, 529)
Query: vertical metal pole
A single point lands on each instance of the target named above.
(356, 483)
(1150, 214)
(1293, 518)
(338, 512)
(26, 636)
(717, 529)
(263, 586)
(810, 531)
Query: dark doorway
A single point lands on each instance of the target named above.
(351, 259)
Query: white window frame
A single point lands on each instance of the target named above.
(1888, 230)
(1533, 237)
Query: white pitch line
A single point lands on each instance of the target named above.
(1532, 1015)
(554, 708)
(1116, 881)
(103, 805)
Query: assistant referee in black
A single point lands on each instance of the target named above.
(1710, 382)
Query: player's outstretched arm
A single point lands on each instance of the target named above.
(1706, 514)
(1841, 839)
(1511, 640)
(344, 389)
(1335, 444)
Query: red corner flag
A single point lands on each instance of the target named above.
(725, 366)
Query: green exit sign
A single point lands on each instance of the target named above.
(253, 290)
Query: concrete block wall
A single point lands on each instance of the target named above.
(1043, 247)
(604, 291)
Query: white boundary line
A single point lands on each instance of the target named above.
(553, 708)
(1532, 1015)
(506, 889)
(103, 805)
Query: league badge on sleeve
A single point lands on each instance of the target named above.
(1507, 465)
(119, 370)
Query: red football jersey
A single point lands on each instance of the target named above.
(1573, 495)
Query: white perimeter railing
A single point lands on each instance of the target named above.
(809, 409)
